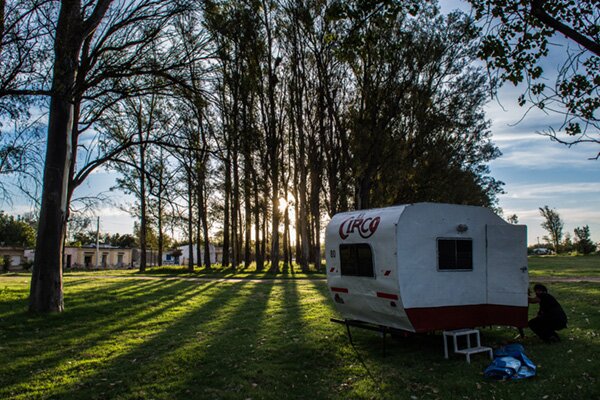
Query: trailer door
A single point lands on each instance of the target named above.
(507, 276)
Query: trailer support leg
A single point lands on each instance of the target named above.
(383, 330)
(349, 334)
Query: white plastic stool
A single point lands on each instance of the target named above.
(455, 334)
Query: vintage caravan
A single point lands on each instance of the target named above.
(426, 266)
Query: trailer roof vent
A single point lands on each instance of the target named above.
(462, 228)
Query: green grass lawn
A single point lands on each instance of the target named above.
(216, 271)
(179, 339)
(564, 266)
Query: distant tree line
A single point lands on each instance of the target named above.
(559, 241)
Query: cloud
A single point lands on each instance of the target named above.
(542, 156)
(572, 215)
(111, 212)
(551, 190)
(517, 137)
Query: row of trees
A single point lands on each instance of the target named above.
(218, 113)
(315, 109)
(561, 241)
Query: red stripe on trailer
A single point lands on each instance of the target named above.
(390, 296)
(454, 317)
(339, 289)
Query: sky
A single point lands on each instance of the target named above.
(536, 171)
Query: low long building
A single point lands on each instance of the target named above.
(103, 257)
(89, 257)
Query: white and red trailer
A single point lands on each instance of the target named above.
(427, 266)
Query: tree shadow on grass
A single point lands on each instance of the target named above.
(226, 359)
(146, 365)
(80, 332)
(304, 350)
(18, 307)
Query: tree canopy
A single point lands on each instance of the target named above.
(554, 225)
(17, 231)
(583, 241)
(519, 38)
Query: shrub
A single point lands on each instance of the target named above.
(6, 264)
(27, 265)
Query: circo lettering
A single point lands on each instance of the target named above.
(366, 227)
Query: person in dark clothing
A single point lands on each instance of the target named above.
(550, 318)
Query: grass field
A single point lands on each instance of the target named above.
(564, 266)
(181, 339)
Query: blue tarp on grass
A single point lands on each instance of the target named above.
(510, 362)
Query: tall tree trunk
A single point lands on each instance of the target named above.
(275, 212)
(247, 212)
(295, 184)
(207, 260)
(74, 141)
(190, 221)
(46, 292)
(198, 240)
(260, 259)
(235, 205)
(363, 193)
(226, 210)
(240, 234)
(298, 92)
(201, 211)
(263, 225)
(203, 220)
(246, 182)
(143, 217)
(315, 205)
(287, 257)
(303, 220)
(273, 142)
(159, 220)
(160, 206)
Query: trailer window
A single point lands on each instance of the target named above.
(356, 260)
(455, 254)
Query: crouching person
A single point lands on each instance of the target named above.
(550, 318)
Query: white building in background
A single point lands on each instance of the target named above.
(11, 256)
(181, 255)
